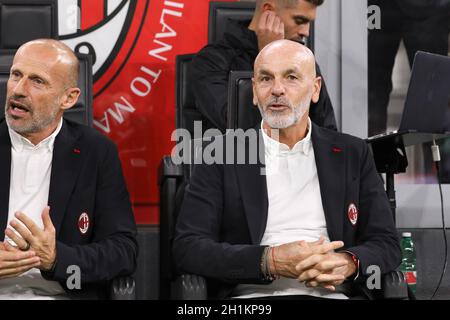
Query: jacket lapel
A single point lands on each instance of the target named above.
(65, 167)
(5, 173)
(253, 188)
(330, 163)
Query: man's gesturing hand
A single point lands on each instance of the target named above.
(14, 262)
(269, 29)
(43, 242)
(284, 259)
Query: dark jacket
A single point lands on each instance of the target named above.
(224, 213)
(86, 177)
(423, 9)
(414, 9)
(237, 52)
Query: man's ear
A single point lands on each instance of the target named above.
(70, 98)
(268, 6)
(316, 90)
(255, 98)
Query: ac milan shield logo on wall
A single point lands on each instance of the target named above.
(134, 44)
(105, 29)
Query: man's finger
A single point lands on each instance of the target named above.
(311, 284)
(326, 278)
(9, 247)
(14, 272)
(276, 24)
(29, 224)
(20, 263)
(281, 28)
(263, 20)
(330, 287)
(320, 262)
(330, 264)
(319, 242)
(309, 262)
(18, 240)
(270, 20)
(327, 247)
(308, 275)
(22, 230)
(321, 268)
(48, 224)
(16, 255)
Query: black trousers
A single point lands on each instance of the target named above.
(425, 34)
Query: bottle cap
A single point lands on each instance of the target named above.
(406, 234)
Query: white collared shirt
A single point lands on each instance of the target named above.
(295, 210)
(28, 193)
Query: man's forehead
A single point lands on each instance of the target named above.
(299, 14)
(34, 62)
(265, 67)
(281, 57)
(37, 64)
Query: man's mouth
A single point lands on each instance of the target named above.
(17, 108)
(278, 107)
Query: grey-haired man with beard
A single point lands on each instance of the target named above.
(319, 216)
(64, 206)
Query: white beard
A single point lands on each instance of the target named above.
(280, 120)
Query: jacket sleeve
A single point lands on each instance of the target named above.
(209, 79)
(377, 242)
(197, 246)
(113, 249)
(322, 113)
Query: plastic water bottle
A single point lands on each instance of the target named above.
(408, 266)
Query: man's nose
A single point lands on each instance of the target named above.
(278, 88)
(304, 29)
(19, 89)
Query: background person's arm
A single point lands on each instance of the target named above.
(208, 76)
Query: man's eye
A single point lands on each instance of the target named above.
(301, 21)
(14, 75)
(38, 81)
(292, 77)
(265, 79)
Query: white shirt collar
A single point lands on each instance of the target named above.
(19, 142)
(274, 147)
